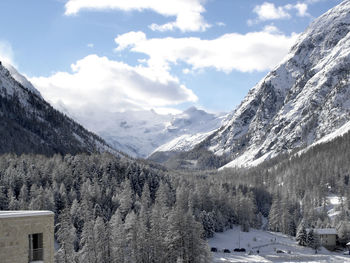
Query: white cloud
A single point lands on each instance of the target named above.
(220, 24)
(6, 53)
(268, 11)
(254, 51)
(302, 9)
(188, 13)
(97, 84)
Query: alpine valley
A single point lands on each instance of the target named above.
(267, 182)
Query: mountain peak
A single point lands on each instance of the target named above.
(306, 97)
(19, 77)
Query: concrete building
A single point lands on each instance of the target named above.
(328, 237)
(26, 236)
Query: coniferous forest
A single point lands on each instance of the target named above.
(112, 209)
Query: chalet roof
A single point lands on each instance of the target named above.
(24, 213)
(326, 231)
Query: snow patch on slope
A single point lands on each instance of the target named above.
(183, 143)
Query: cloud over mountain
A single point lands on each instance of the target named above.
(253, 51)
(98, 83)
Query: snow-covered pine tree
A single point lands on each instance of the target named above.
(158, 222)
(117, 240)
(275, 215)
(184, 239)
(301, 236)
(100, 239)
(66, 236)
(310, 238)
(88, 253)
(144, 246)
(125, 199)
(130, 236)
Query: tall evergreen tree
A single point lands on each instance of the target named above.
(301, 236)
(117, 239)
(66, 236)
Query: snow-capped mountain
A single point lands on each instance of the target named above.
(306, 97)
(21, 79)
(30, 125)
(140, 133)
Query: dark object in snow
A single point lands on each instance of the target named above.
(280, 251)
(214, 249)
(227, 250)
(239, 250)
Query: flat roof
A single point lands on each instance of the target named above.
(24, 213)
(326, 231)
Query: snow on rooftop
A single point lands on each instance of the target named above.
(326, 231)
(24, 213)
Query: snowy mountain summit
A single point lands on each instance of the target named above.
(139, 133)
(306, 97)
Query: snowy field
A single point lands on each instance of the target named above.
(268, 244)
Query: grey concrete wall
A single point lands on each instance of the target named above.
(14, 232)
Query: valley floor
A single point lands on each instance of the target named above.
(267, 243)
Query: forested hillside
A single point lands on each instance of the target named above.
(300, 184)
(31, 125)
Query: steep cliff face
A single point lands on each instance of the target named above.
(30, 125)
(306, 97)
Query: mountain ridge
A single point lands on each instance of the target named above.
(31, 125)
(305, 88)
(304, 98)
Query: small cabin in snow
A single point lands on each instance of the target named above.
(328, 237)
(26, 236)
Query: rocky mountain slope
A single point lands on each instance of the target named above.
(306, 97)
(140, 133)
(30, 125)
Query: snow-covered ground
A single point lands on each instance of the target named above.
(334, 203)
(333, 206)
(267, 243)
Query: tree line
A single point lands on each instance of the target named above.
(111, 209)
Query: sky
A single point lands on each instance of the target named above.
(119, 55)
